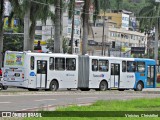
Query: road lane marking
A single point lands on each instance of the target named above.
(44, 100)
(4, 102)
(87, 98)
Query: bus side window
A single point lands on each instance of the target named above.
(140, 66)
(103, 65)
(123, 66)
(71, 64)
(32, 63)
(59, 63)
(94, 65)
(51, 63)
(131, 66)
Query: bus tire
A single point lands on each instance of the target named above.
(5, 87)
(1, 86)
(121, 89)
(69, 89)
(31, 89)
(84, 89)
(103, 86)
(139, 86)
(53, 86)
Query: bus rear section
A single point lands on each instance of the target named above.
(13, 72)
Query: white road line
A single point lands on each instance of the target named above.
(45, 100)
(4, 102)
(87, 98)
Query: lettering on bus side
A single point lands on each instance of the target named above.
(101, 75)
(130, 76)
(70, 75)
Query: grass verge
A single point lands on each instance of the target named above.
(110, 105)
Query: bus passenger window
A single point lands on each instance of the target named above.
(123, 66)
(51, 63)
(103, 65)
(32, 63)
(59, 63)
(94, 65)
(131, 66)
(71, 64)
(140, 66)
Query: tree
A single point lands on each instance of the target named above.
(50, 45)
(85, 26)
(71, 15)
(85, 19)
(152, 9)
(57, 40)
(1, 30)
(31, 11)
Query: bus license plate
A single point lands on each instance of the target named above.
(17, 74)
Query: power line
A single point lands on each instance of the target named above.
(93, 13)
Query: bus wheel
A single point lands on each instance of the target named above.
(139, 86)
(31, 89)
(1, 86)
(84, 89)
(69, 89)
(5, 87)
(53, 86)
(103, 86)
(121, 89)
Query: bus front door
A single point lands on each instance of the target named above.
(115, 75)
(151, 76)
(41, 74)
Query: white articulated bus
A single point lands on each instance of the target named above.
(51, 71)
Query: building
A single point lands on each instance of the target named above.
(122, 39)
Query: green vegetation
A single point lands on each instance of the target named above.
(158, 85)
(114, 105)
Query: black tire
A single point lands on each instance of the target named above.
(84, 89)
(121, 89)
(139, 86)
(1, 86)
(31, 89)
(69, 89)
(97, 89)
(53, 86)
(103, 86)
(5, 87)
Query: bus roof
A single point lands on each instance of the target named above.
(74, 55)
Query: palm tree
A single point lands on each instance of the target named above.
(57, 40)
(85, 25)
(71, 15)
(85, 18)
(1, 30)
(31, 11)
(152, 9)
(27, 8)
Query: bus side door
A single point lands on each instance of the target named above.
(41, 81)
(115, 75)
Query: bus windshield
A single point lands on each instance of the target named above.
(14, 59)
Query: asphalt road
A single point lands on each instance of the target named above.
(23, 100)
